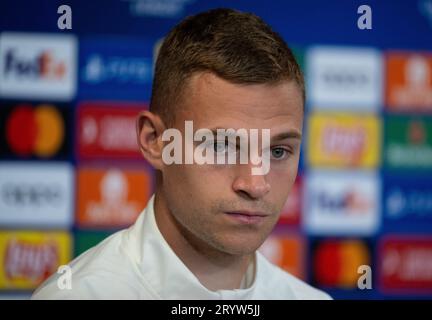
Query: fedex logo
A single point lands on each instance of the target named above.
(352, 201)
(38, 66)
(43, 65)
(341, 203)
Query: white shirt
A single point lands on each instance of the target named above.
(137, 263)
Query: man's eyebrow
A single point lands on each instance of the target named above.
(281, 136)
(287, 135)
(214, 131)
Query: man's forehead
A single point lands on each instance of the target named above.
(208, 95)
(209, 83)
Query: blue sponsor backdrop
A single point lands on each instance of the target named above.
(122, 67)
(396, 24)
(116, 44)
(407, 203)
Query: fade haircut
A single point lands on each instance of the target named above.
(238, 47)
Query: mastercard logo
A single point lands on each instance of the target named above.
(36, 130)
(336, 262)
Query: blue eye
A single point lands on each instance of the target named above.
(219, 146)
(278, 153)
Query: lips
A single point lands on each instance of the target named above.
(248, 213)
(248, 217)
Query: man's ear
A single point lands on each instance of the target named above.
(150, 128)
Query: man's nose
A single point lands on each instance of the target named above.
(254, 186)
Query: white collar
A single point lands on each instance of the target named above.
(165, 272)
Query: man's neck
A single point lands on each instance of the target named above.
(215, 270)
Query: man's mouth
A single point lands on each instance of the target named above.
(247, 217)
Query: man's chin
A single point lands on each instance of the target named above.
(240, 247)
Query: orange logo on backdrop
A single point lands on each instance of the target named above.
(336, 262)
(111, 198)
(286, 252)
(409, 81)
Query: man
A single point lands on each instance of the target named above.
(199, 235)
